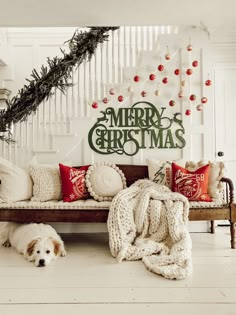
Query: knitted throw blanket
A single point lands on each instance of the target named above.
(147, 221)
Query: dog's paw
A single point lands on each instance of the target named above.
(63, 252)
(7, 244)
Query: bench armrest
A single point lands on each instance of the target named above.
(229, 189)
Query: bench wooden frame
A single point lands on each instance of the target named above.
(132, 173)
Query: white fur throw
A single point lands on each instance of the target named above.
(147, 221)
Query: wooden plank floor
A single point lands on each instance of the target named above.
(90, 281)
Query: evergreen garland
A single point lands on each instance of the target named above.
(56, 74)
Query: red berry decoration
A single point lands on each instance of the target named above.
(105, 100)
(111, 91)
(130, 89)
(208, 82)
(165, 80)
(195, 63)
(120, 98)
(181, 94)
(204, 100)
(189, 71)
(136, 78)
(95, 105)
(189, 47)
(177, 71)
(188, 112)
(152, 76)
(172, 103)
(192, 97)
(167, 56)
(144, 93)
(199, 107)
(160, 67)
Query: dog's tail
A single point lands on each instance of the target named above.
(4, 234)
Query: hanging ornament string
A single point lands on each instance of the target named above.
(56, 75)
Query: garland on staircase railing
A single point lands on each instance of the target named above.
(56, 74)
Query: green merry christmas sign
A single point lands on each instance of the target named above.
(141, 126)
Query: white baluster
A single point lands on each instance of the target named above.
(73, 94)
(44, 116)
(86, 104)
(113, 58)
(55, 112)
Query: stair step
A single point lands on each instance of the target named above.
(38, 151)
(64, 134)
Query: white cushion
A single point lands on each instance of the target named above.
(46, 181)
(16, 183)
(104, 181)
(87, 204)
(215, 203)
(216, 172)
(160, 171)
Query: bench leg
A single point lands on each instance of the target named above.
(212, 227)
(232, 232)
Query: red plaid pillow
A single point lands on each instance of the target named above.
(192, 185)
(73, 183)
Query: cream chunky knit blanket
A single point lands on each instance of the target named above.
(147, 221)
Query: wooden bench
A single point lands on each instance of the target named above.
(227, 211)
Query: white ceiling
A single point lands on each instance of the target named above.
(213, 13)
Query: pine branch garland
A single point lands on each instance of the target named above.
(56, 74)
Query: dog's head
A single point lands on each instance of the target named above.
(42, 251)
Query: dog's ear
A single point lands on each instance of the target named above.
(57, 247)
(30, 247)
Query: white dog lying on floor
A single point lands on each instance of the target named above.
(39, 243)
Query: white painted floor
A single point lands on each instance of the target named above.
(90, 281)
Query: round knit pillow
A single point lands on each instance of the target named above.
(104, 180)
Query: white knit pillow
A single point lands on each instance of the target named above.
(16, 184)
(46, 181)
(104, 180)
(217, 170)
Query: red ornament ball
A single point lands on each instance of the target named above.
(167, 56)
(189, 71)
(160, 67)
(192, 97)
(172, 103)
(95, 105)
(136, 78)
(111, 91)
(152, 77)
(144, 93)
(208, 82)
(189, 47)
(105, 100)
(165, 80)
(204, 100)
(177, 71)
(130, 89)
(195, 63)
(120, 98)
(188, 112)
(181, 94)
(199, 107)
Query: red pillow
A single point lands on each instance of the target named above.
(192, 185)
(73, 183)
